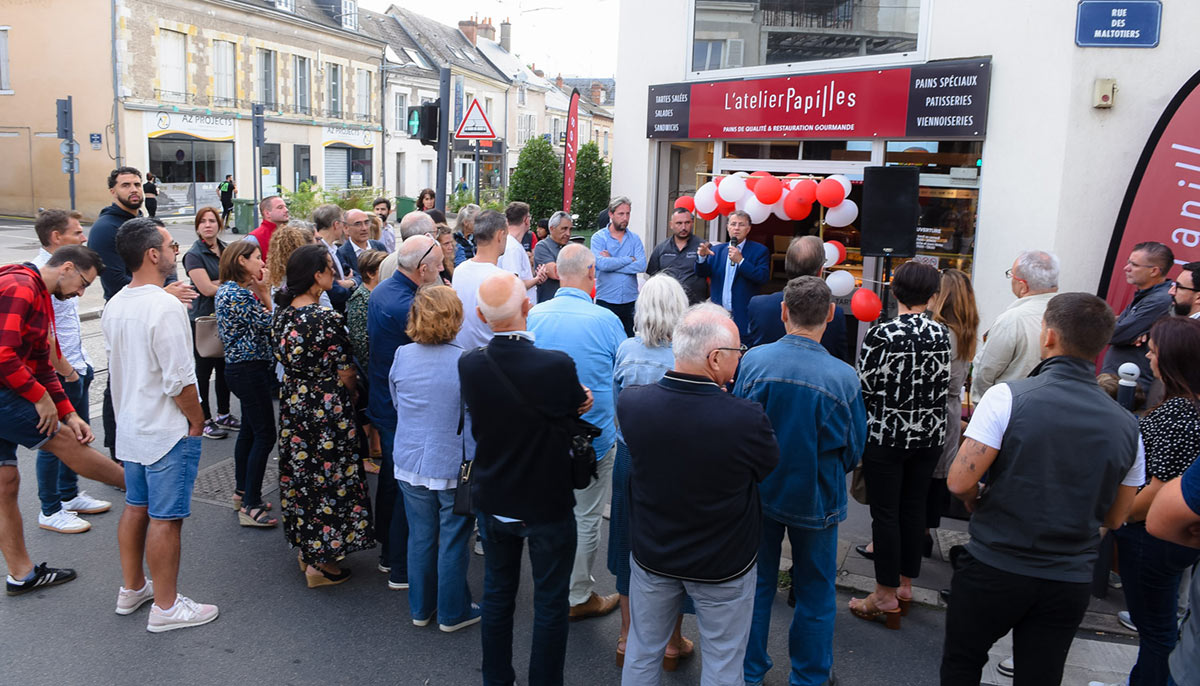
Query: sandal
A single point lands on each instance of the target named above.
(256, 517)
(620, 652)
(371, 465)
(324, 578)
(869, 611)
(237, 502)
(905, 603)
(685, 650)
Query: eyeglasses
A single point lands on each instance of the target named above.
(426, 254)
(1131, 263)
(172, 245)
(1180, 287)
(86, 281)
(1008, 274)
(740, 350)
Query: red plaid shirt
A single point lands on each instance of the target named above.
(26, 318)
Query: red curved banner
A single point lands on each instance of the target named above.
(1162, 202)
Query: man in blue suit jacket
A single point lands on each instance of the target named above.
(736, 269)
(805, 257)
(358, 239)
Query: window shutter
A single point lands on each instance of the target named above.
(733, 52)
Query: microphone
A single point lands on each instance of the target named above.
(733, 242)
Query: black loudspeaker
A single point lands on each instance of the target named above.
(890, 210)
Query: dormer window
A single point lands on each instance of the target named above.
(350, 14)
(286, 5)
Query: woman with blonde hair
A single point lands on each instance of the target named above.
(954, 307)
(425, 391)
(284, 242)
(643, 360)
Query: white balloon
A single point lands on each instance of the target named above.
(841, 178)
(777, 209)
(741, 202)
(831, 255)
(706, 198)
(840, 283)
(744, 175)
(843, 214)
(758, 212)
(731, 188)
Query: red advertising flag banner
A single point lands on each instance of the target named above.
(1162, 202)
(572, 148)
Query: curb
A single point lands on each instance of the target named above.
(88, 315)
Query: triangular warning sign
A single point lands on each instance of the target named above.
(475, 124)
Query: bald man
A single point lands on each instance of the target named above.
(521, 473)
(358, 240)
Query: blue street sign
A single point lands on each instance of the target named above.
(1118, 24)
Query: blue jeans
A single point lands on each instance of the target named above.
(251, 383)
(164, 487)
(810, 636)
(391, 522)
(437, 555)
(1151, 569)
(551, 556)
(56, 482)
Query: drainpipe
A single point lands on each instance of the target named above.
(383, 75)
(116, 78)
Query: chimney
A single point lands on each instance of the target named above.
(597, 93)
(506, 35)
(468, 27)
(558, 81)
(487, 30)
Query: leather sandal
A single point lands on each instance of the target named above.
(905, 604)
(256, 517)
(620, 652)
(686, 648)
(867, 610)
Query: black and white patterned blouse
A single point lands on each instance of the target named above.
(904, 369)
(1171, 433)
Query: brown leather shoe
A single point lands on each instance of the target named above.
(595, 606)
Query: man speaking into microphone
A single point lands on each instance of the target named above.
(736, 269)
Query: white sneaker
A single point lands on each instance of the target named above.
(83, 503)
(129, 601)
(1126, 621)
(64, 522)
(1006, 667)
(186, 612)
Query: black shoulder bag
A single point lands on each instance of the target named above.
(462, 494)
(579, 433)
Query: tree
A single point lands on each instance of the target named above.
(538, 179)
(593, 183)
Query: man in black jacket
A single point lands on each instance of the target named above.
(694, 515)
(521, 478)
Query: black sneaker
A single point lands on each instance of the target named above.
(42, 576)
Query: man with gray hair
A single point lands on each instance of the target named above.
(419, 261)
(413, 224)
(464, 234)
(1010, 348)
(805, 257)
(694, 514)
(521, 476)
(331, 228)
(545, 253)
(816, 407)
(590, 334)
(620, 257)
(491, 237)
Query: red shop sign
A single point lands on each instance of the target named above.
(935, 100)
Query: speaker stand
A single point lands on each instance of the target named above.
(887, 280)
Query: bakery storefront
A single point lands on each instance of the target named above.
(190, 154)
(931, 116)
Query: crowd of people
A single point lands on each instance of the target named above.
(514, 383)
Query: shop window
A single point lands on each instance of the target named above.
(763, 150)
(750, 34)
(960, 159)
(838, 151)
(172, 66)
(360, 167)
(224, 73)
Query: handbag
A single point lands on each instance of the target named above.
(208, 343)
(579, 434)
(858, 485)
(462, 493)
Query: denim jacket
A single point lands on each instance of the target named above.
(815, 405)
(638, 365)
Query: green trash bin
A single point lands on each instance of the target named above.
(243, 215)
(404, 205)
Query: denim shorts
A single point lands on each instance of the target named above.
(19, 427)
(165, 487)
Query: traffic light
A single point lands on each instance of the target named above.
(260, 128)
(66, 128)
(423, 122)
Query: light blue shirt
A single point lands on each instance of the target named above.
(590, 334)
(727, 287)
(639, 364)
(616, 276)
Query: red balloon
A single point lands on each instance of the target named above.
(724, 208)
(831, 193)
(841, 250)
(806, 189)
(768, 190)
(865, 304)
(795, 207)
(686, 202)
(753, 179)
(708, 217)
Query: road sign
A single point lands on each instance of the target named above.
(475, 124)
(70, 165)
(1118, 24)
(69, 147)
(94, 139)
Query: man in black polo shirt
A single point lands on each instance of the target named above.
(1063, 459)
(694, 515)
(522, 480)
(677, 257)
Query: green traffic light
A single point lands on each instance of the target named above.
(414, 122)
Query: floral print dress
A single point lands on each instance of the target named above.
(323, 490)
